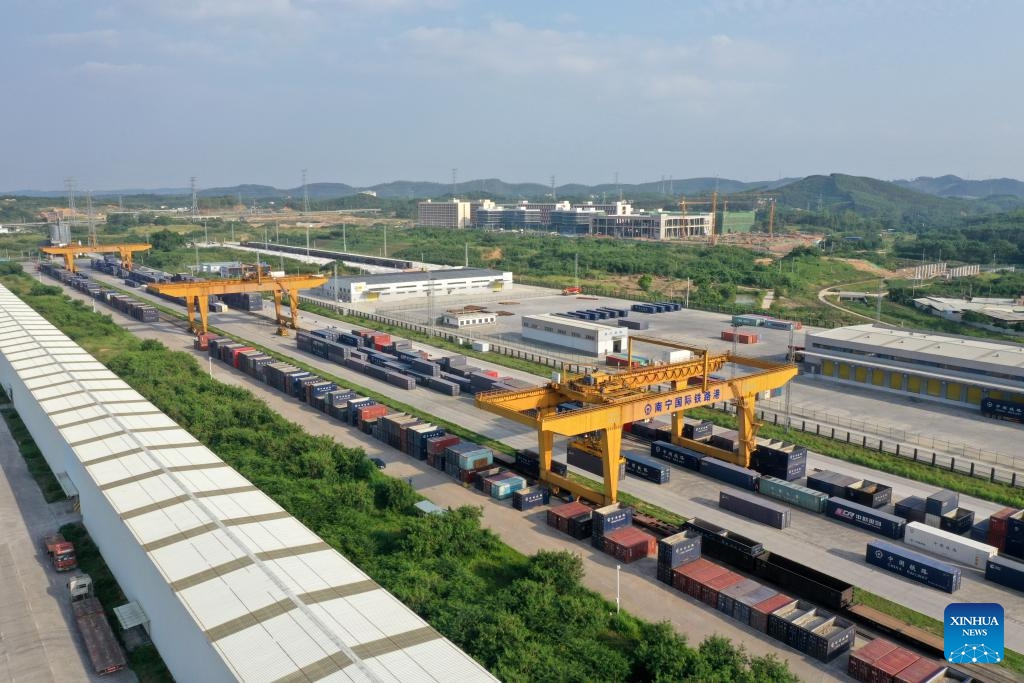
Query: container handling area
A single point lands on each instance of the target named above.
(234, 587)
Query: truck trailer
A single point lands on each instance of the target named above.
(105, 652)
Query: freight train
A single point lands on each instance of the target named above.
(115, 300)
(397, 264)
(394, 361)
(1000, 409)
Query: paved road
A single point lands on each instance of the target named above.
(39, 641)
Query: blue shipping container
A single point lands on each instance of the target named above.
(729, 473)
(1005, 572)
(865, 517)
(648, 469)
(677, 455)
(914, 566)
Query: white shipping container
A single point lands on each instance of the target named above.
(677, 356)
(932, 520)
(945, 544)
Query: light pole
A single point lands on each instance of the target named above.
(618, 600)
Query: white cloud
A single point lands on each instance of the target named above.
(226, 9)
(715, 67)
(103, 69)
(386, 6)
(102, 38)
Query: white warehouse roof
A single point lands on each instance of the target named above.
(275, 602)
(942, 347)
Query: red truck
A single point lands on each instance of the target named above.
(61, 552)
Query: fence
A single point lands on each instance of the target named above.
(952, 463)
(890, 433)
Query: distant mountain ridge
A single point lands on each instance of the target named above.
(412, 189)
(954, 186)
(834, 192)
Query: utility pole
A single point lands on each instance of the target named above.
(878, 309)
(305, 193)
(195, 200)
(89, 218)
(467, 254)
(344, 239)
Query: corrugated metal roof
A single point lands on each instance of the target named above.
(942, 347)
(274, 600)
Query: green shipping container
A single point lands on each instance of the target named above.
(794, 494)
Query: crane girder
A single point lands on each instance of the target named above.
(606, 415)
(68, 252)
(196, 296)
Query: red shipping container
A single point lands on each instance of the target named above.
(369, 413)
(236, 354)
(887, 666)
(997, 524)
(727, 335)
(711, 588)
(921, 671)
(437, 444)
(862, 661)
(380, 338)
(760, 612)
(629, 544)
(695, 581)
(559, 517)
(680, 574)
(491, 373)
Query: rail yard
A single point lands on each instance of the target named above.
(686, 492)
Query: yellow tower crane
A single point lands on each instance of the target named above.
(70, 251)
(713, 235)
(196, 295)
(615, 399)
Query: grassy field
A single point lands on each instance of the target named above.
(34, 459)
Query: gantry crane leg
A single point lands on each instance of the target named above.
(746, 427)
(282, 331)
(293, 303)
(200, 304)
(610, 439)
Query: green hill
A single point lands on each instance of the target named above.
(836, 193)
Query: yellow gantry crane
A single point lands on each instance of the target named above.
(196, 295)
(615, 399)
(70, 251)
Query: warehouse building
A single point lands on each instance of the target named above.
(955, 370)
(590, 338)
(468, 318)
(454, 281)
(229, 585)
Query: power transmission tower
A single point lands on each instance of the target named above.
(554, 198)
(88, 212)
(195, 201)
(69, 183)
(305, 194)
(455, 181)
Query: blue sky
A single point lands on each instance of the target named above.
(146, 93)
